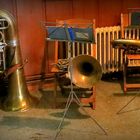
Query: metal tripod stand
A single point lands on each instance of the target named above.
(66, 33)
(132, 99)
(73, 97)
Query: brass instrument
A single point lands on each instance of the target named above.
(126, 43)
(18, 98)
(85, 70)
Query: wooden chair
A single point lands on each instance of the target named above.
(131, 58)
(63, 51)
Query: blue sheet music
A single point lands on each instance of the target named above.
(71, 34)
(58, 33)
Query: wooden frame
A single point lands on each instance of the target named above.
(125, 22)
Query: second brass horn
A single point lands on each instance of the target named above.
(18, 98)
(85, 71)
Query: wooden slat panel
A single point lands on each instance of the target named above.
(86, 9)
(109, 12)
(126, 5)
(30, 15)
(58, 9)
(8, 5)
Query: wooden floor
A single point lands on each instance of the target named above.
(41, 122)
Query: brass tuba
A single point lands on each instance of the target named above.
(18, 98)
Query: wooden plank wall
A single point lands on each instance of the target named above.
(31, 13)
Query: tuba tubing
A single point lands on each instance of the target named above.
(18, 98)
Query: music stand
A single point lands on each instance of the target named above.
(72, 34)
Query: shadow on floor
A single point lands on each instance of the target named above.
(37, 123)
(129, 93)
(72, 113)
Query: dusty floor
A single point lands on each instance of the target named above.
(41, 123)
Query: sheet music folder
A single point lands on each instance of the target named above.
(72, 34)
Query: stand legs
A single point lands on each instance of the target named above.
(73, 97)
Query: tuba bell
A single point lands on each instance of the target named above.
(18, 98)
(85, 71)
